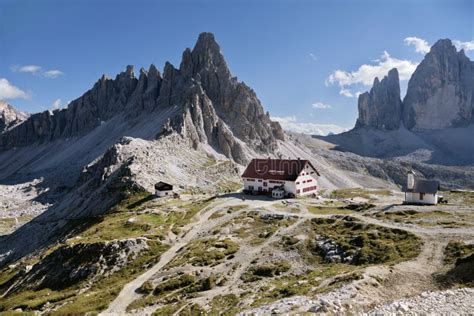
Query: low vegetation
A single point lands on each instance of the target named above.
(266, 270)
(371, 244)
(424, 218)
(340, 210)
(225, 305)
(308, 283)
(257, 227)
(459, 261)
(358, 192)
(456, 250)
(171, 290)
(7, 225)
(205, 252)
(96, 298)
(140, 216)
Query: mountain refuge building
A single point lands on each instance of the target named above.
(421, 191)
(163, 189)
(280, 177)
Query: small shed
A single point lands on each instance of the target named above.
(278, 193)
(163, 189)
(421, 191)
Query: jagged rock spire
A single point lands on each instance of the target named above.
(381, 108)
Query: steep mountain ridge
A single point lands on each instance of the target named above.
(215, 108)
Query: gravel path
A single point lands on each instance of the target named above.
(191, 231)
(458, 302)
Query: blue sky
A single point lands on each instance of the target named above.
(287, 51)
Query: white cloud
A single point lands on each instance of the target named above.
(313, 57)
(421, 46)
(321, 105)
(9, 91)
(56, 104)
(346, 93)
(290, 123)
(366, 74)
(32, 69)
(467, 46)
(53, 73)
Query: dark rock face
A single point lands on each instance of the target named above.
(214, 107)
(9, 116)
(381, 108)
(217, 109)
(440, 92)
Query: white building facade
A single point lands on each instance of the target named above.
(296, 177)
(163, 189)
(421, 191)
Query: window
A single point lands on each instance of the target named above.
(251, 187)
(297, 191)
(422, 195)
(264, 184)
(259, 189)
(259, 180)
(297, 183)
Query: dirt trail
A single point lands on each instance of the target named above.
(393, 282)
(244, 260)
(201, 224)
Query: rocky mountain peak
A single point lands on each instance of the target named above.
(9, 116)
(381, 108)
(204, 103)
(440, 91)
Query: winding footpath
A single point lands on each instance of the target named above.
(418, 270)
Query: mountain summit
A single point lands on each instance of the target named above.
(201, 99)
(440, 94)
(440, 91)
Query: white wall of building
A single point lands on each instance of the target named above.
(307, 179)
(163, 193)
(415, 198)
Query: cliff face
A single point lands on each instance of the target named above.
(381, 108)
(214, 107)
(440, 92)
(439, 95)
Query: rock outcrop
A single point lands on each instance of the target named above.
(440, 91)
(9, 116)
(440, 94)
(215, 108)
(381, 108)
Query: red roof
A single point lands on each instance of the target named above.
(276, 169)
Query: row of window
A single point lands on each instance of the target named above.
(305, 181)
(309, 189)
